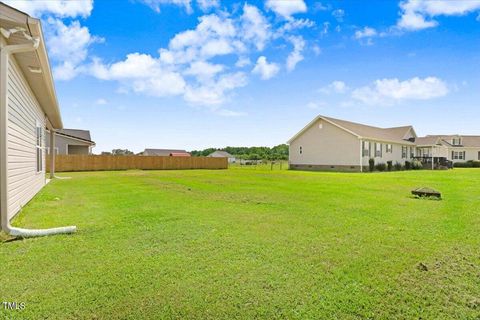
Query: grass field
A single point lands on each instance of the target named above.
(249, 243)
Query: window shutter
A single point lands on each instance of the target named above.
(464, 158)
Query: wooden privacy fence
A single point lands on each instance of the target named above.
(65, 163)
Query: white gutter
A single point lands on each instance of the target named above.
(5, 53)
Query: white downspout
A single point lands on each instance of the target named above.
(52, 153)
(5, 52)
(361, 155)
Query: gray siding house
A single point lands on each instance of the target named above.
(72, 141)
(222, 154)
(28, 105)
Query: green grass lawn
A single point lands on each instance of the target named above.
(249, 243)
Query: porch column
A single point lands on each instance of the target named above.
(52, 153)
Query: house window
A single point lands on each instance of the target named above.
(39, 148)
(378, 149)
(456, 141)
(412, 152)
(389, 148)
(301, 150)
(404, 152)
(458, 155)
(366, 148)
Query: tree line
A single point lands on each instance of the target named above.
(279, 152)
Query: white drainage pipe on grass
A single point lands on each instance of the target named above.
(29, 233)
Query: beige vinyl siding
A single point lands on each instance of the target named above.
(24, 113)
(394, 156)
(328, 145)
(470, 154)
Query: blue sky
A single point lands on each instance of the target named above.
(202, 73)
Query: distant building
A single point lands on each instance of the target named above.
(72, 141)
(333, 144)
(222, 154)
(165, 153)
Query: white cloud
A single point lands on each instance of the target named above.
(338, 14)
(366, 32)
(254, 26)
(68, 46)
(320, 7)
(156, 4)
(142, 74)
(204, 70)
(326, 26)
(317, 50)
(58, 8)
(335, 87)
(213, 36)
(206, 5)
(296, 24)
(185, 67)
(264, 69)
(101, 101)
(388, 91)
(420, 14)
(286, 8)
(215, 93)
(243, 62)
(296, 55)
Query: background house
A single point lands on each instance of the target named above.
(28, 105)
(333, 144)
(72, 141)
(455, 148)
(222, 154)
(165, 153)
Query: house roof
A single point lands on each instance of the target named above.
(220, 153)
(76, 133)
(162, 152)
(427, 141)
(41, 83)
(466, 141)
(395, 134)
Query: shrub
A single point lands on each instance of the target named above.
(389, 165)
(371, 164)
(407, 165)
(398, 166)
(416, 165)
(460, 164)
(468, 164)
(381, 167)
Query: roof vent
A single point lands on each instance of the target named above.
(34, 69)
